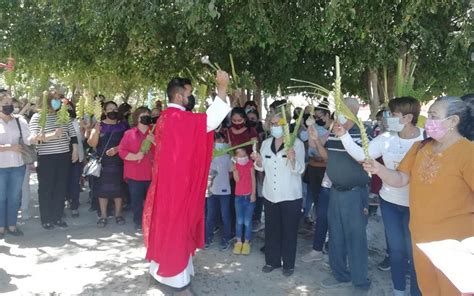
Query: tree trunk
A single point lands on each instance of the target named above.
(257, 95)
(372, 90)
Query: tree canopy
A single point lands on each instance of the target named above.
(122, 46)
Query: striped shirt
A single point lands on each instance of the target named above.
(53, 146)
(344, 172)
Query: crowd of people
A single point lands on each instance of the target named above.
(423, 177)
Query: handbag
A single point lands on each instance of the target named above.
(94, 165)
(28, 152)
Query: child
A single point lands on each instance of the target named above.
(219, 194)
(245, 197)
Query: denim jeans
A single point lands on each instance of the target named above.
(243, 216)
(396, 219)
(348, 237)
(213, 203)
(137, 193)
(308, 200)
(11, 181)
(74, 186)
(321, 228)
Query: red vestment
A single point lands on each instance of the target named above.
(173, 216)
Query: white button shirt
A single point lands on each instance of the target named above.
(282, 181)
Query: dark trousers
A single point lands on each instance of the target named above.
(74, 186)
(213, 204)
(137, 193)
(281, 227)
(348, 237)
(321, 228)
(53, 173)
(396, 219)
(257, 214)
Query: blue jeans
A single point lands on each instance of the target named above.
(74, 186)
(11, 181)
(308, 200)
(213, 202)
(348, 237)
(396, 219)
(137, 193)
(321, 219)
(243, 216)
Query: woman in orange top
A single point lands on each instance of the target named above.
(440, 171)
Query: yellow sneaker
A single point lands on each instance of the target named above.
(246, 249)
(238, 248)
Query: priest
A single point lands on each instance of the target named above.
(173, 217)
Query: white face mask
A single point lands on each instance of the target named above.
(277, 131)
(342, 119)
(394, 124)
(242, 160)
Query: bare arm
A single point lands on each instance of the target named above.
(390, 177)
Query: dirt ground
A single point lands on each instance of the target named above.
(85, 260)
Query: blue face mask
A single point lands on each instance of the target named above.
(220, 146)
(55, 104)
(304, 136)
(342, 119)
(277, 131)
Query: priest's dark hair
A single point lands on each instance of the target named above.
(176, 85)
(186, 81)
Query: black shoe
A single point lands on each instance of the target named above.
(60, 223)
(288, 272)
(268, 268)
(47, 226)
(216, 229)
(385, 264)
(262, 249)
(92, 209)
(16, 232)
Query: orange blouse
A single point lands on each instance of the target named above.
(441, 191)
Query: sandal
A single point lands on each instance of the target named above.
(102, 222)
(119, 220)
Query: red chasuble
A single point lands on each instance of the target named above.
(173, 216)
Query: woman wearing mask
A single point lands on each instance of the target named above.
(74, 184)
(240, 132)
(105, 138)
(392, 146)
(319, 183)
(12, 167)
(282, 190)
(440, 171)
(137, 164)
(53, 144)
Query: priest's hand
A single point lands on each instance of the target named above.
(222, 80)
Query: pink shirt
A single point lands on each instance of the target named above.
(244, 186)
(132, 169)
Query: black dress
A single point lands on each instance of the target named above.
(110, 184)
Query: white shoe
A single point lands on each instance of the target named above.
(312, 256)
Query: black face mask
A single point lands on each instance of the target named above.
(252, 123)
(154, 119)
(146, 120)
(320, 122)
(8, 109)
(112, 115)
(191, 103)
